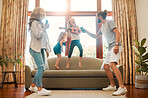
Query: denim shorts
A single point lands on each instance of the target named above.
(37, 57)
(57, 49)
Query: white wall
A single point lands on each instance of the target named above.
(142, 19)
(1, 2)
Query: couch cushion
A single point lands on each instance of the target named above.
(72, 73)
(88, 63)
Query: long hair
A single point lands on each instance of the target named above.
(68, 22)
(61, 36)
(37, 14)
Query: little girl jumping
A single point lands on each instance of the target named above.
(75, 41)
(59, 47)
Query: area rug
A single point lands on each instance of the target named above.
(77, 94)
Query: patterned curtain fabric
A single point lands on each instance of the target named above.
(13, 35)
(125, 17)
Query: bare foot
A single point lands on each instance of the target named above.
(57, 67)
(80, 65)
(67, 66)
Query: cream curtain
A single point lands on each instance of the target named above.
(13, 34)
(125, 17)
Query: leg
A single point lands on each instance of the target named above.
(3, 79)
(80, 62)
(114, 59)
(109, 74)
(39, 61)
(68, 62)
(14, 78)
(81, 52)
(57, 61)
(39, 74)
(117, 73)
(43, 55)
(70, 53)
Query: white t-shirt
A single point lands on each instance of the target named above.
(107, 30)
(74, 36)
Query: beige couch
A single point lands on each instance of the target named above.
(89, 76)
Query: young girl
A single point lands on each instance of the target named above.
(37, 29)
(75, 41)
(58, 47)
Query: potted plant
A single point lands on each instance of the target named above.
(141, 77)
(12, 62)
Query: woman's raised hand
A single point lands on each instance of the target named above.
(47, 26)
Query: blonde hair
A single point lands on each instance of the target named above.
(61, 36)
(37, 14)
(68, 22)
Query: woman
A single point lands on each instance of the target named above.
(37, 29)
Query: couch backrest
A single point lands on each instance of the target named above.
(88, 63)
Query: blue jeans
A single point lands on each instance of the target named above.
(72, 45)
(37, 56)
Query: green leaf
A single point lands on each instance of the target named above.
(6, 64)
(136, 50)
(137, 43)
(145, 57)
(138, 69)
(137, 62)
(144, 69)
(145, 61)
(143, 42)
(144, 64)
(142, 50)
(138, 55)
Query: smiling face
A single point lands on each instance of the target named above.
(72, 22)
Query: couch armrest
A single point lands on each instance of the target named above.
(27, 76)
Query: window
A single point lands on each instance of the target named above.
(31, 5)
(84, 13)
(83, 5)
(106, 5)
(88, 43)
(53, 5)
(53, 32)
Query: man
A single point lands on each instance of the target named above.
(112, 36)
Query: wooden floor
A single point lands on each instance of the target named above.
(9, 91)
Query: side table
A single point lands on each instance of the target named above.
(14, 78)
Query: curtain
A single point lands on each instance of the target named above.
(125, 17)
(13, 35)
